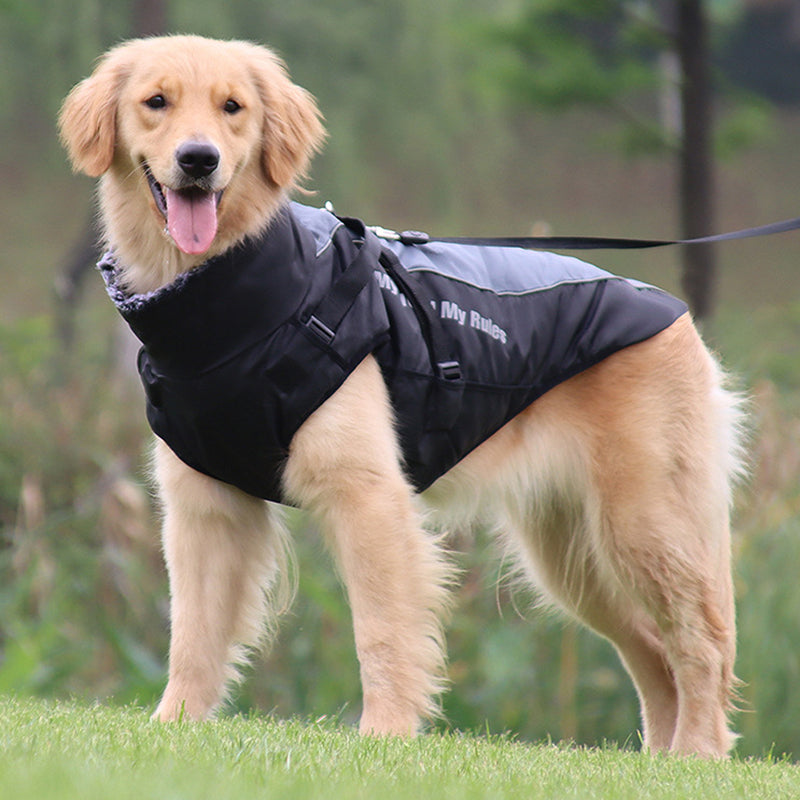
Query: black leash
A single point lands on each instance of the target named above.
(585, 242)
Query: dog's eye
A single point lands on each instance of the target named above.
(156, 102)
(231, 106)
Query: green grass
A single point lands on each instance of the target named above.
(61, 750)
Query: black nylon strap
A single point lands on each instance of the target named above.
(325, 318)
(444, 366)
(329, 312)
(590, 242)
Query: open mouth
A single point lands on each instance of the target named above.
(190, 213)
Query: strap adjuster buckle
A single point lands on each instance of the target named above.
(449, 370)
(320, 329)
(406, 237)
(414, 237)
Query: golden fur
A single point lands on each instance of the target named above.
(612, 490)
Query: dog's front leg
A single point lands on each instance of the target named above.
(223, 549)
(344, 467)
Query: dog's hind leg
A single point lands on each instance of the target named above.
(344, 467)
(553, 540)
(608, 611)
(684, 652)
(224, 552)
(624, 522)
(641, 650)
(662, 453)
(633, 570)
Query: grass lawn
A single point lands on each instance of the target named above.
(64, 751)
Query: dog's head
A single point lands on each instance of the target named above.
(208, 134)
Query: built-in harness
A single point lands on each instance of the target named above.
(237, 353)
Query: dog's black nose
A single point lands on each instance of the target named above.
(197, 159)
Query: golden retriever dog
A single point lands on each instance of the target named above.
(612, 490)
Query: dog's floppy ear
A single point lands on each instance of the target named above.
(293, 129)
(87, 122)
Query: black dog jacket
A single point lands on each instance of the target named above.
(240, 351)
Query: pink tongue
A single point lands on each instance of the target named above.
(192, 220)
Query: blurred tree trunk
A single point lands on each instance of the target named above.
(596, 53)
(696, 157)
